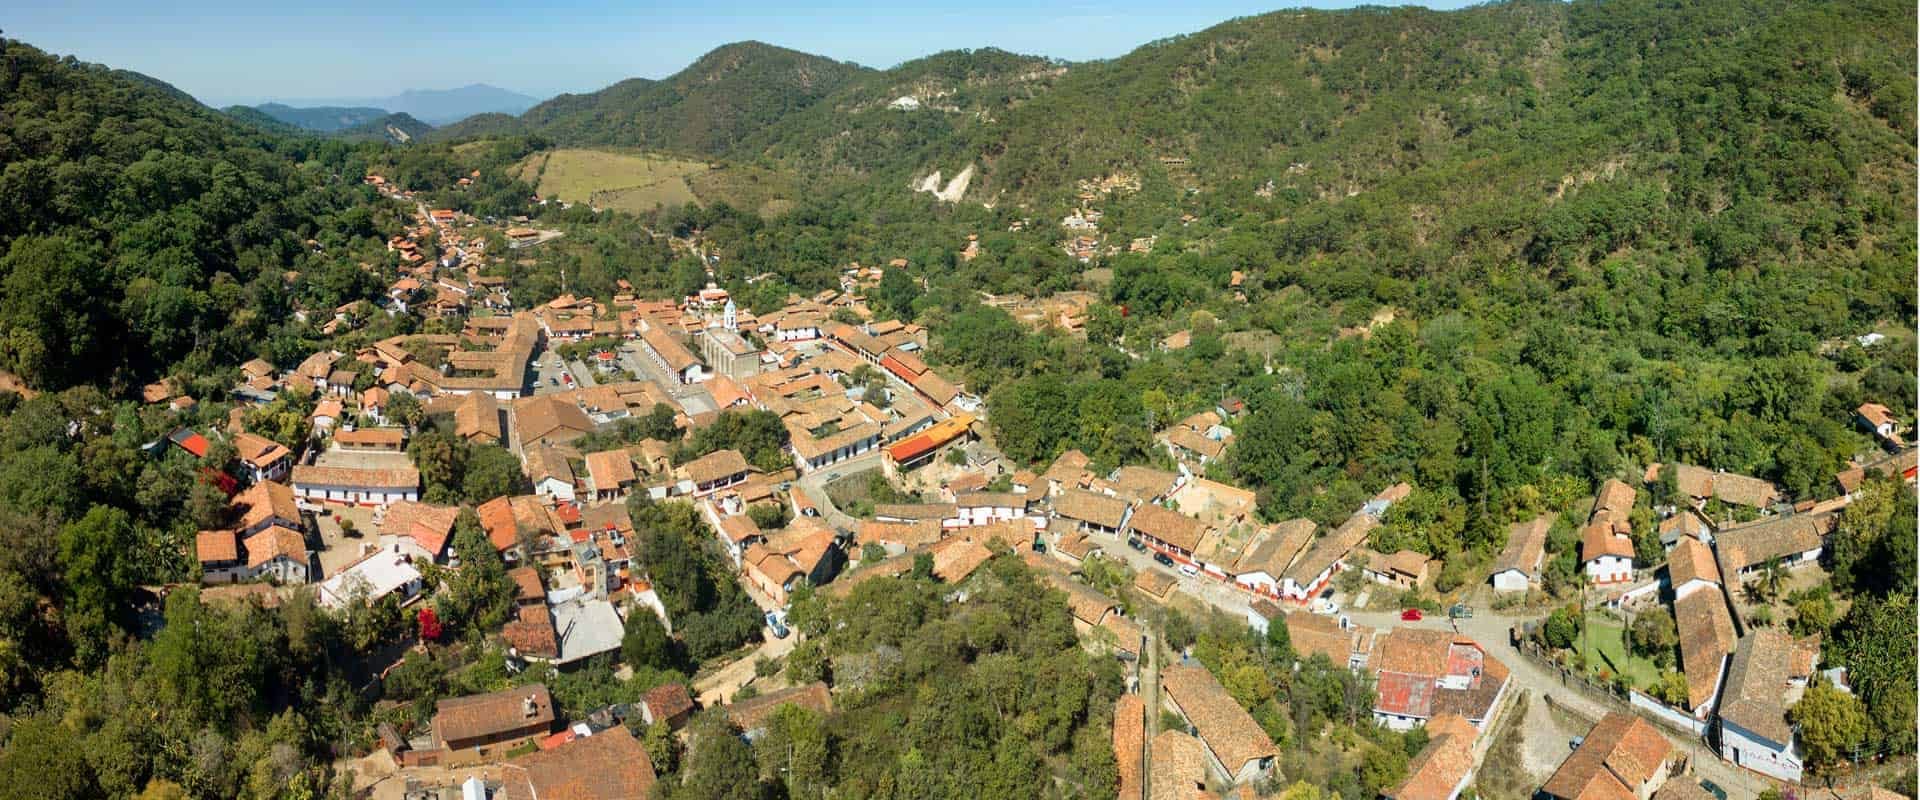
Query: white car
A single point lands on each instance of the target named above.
(1189, 570)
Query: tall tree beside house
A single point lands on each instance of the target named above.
(480, 595)
(1832, 725)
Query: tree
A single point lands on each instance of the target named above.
(45, 761)
(1831, 722)
(96, 554)
(646, 643)
(719, 764)
(492, 471)
(1655, 636)
(1562, 628)
(480, 595)
(1279, 644)
(662, 748)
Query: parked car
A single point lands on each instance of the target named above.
(1137, 545)
(1411, 615)
(1189, 570)
(552, 382)
(1714, 789)
(776, 621)
(1039, 546)
(1163, 559)
(1460, 611)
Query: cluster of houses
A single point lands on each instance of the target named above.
(1726, 531)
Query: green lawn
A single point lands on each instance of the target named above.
(1606, 647)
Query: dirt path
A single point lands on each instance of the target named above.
(722, 684)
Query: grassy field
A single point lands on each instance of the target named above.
(607, 179)
(1607, 649)
(635, 181)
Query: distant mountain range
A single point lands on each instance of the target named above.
(432, 106)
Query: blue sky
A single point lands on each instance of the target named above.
(227, 51)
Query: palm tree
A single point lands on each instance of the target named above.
(1773, 578)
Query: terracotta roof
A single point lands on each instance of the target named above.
(532, 632)
(1082, 505)
(475, 716)
(609, 469)
(1077, 546)
(1145, 483)
(1067, 467)
(216, 546)
(715, 466)
(1129, 743)
(991, 500)
(526, 583)
(547, 416)
(273, 542)
(1126, 633)
(1178, 767)
(1691, 560)
(905, 534)
(1440, 767)
(384, 437)
(258, 451)
(1617, 757)
(1154, 582)
(477, 415)
(1226, 728)
(1600, 538)
(1745, 491)
(391, 478)
(609, 765)
(1169, 526)
(753, 714)
(738, 528)
(431, 526)
(1331, 548)
(1756, 684)
(1684, 524)
(1706, 637)
(1615, 499)
(1756, 543)
(933, 511)
(1084, 603)
(1526, 546)
(956, 557)
(676, 355)
(1875, 414)
(1187, 439)
(264, 501)
(667, 701)
(1315, 633)
(1276, 548)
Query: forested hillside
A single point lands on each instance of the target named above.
(702, 109)
(142, 228)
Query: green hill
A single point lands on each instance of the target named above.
(726, 95)
(322, 119)
(142, 228)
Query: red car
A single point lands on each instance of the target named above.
(1411, 615)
